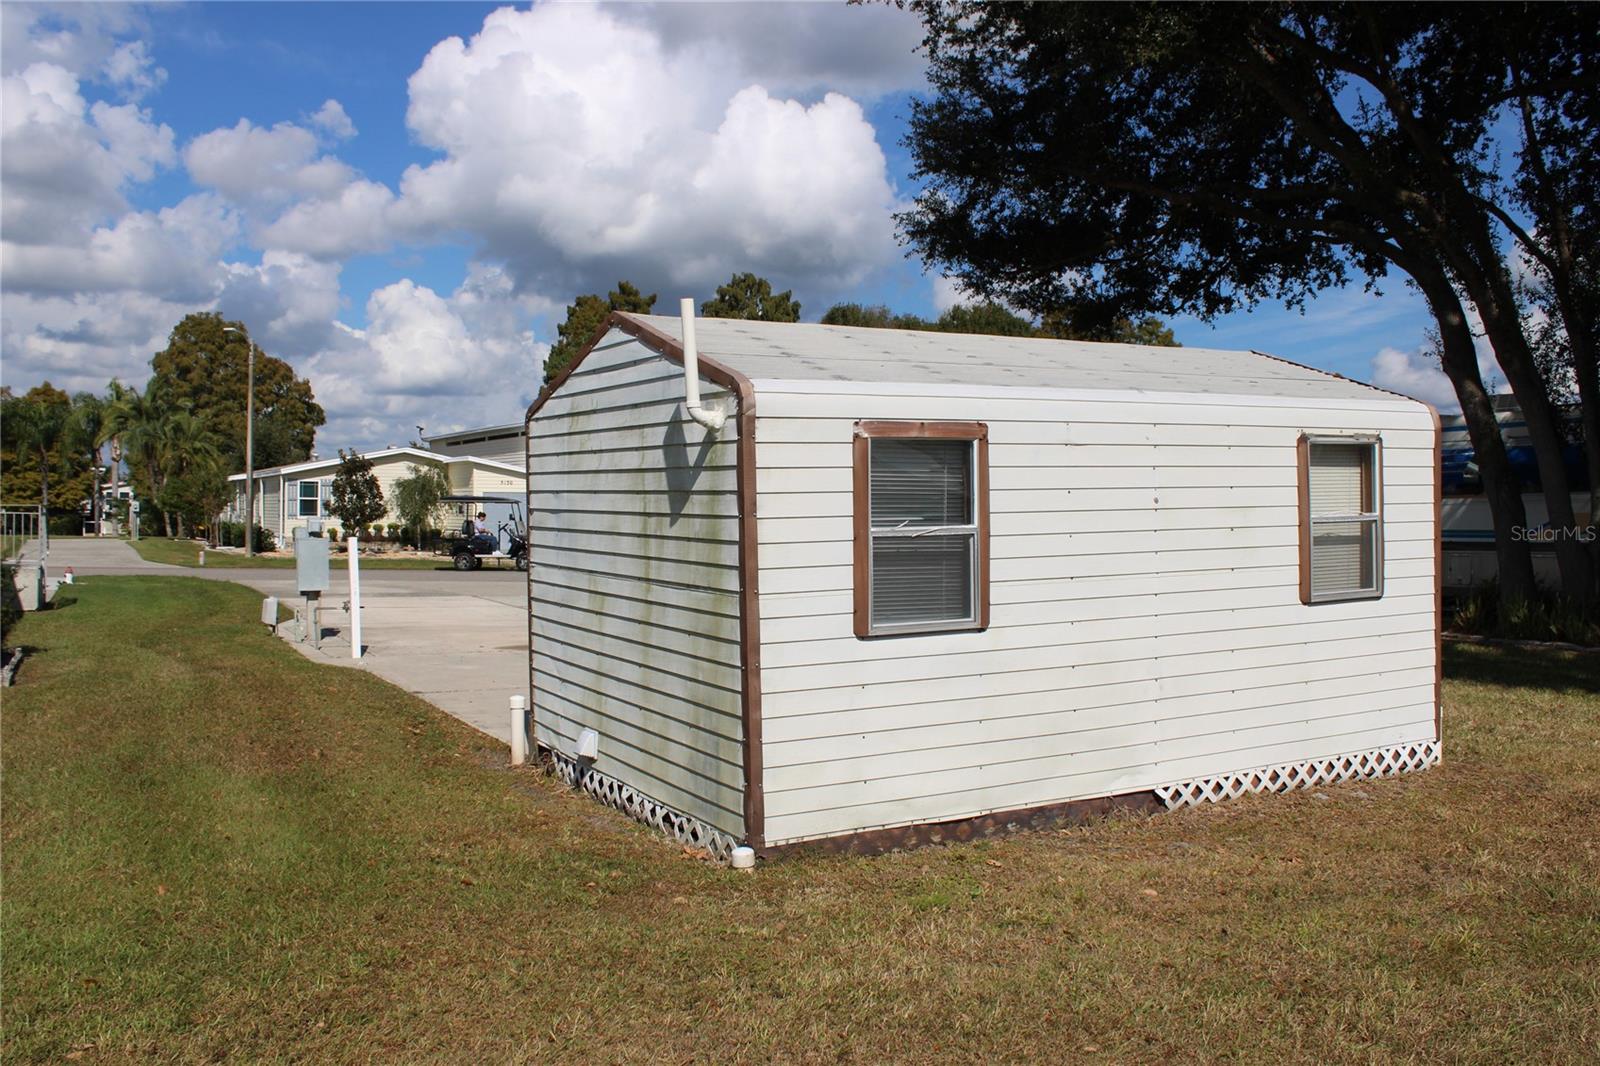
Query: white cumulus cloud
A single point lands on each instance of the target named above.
(441, 361)
(355, 218)
(1413, 374)
(252, 164)
(331, 119)
(571, 145)
(578, 148)
(64, 165)
(132, 69)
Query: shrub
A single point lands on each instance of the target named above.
(231, 535)
(1546, 617)
(10, 603)
(356, 498)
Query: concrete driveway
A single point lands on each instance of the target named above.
(458, 640)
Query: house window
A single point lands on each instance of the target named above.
(310, 497)
(1341, 519)
(921, 527)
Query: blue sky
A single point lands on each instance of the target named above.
(400, 199)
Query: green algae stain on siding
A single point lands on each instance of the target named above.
(641, 600)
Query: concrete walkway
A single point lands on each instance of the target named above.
(458, 640)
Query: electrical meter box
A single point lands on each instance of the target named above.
(311, 562)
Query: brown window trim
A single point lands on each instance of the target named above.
(864, 432)
(1303, 486)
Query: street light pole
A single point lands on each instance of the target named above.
(249, 444)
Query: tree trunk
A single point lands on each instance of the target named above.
(1586, 369)
(44, 493)
(1491, 292)
(1459, 360)
(1553, 218)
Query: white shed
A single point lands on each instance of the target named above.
(923, 586)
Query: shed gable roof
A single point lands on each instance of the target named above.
(799, 351)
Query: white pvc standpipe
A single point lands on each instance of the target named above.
(519, 730)
(708, 417)
(354, 543)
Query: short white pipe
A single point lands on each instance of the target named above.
(519, 730)
(354, 543)
(709, 417)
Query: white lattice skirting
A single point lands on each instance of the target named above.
(1379, 762)
(635, 804)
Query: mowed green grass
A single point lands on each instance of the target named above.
(187, 553)
(216, 849)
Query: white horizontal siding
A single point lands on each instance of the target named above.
(979, 790)
(828, 602)
(1145, 621)
(1100, 426)
(817, 401)
(881, 729)
(634, 585)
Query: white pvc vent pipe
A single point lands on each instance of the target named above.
(710, 417)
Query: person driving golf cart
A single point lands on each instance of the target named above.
(477, 529)
(492, 528)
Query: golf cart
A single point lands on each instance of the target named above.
(506, 539)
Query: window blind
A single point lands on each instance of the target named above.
(1337, 478)
(1342, 556)
(921, 482)
(921, 579)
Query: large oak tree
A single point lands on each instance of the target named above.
(204, 369)
(1108, 160)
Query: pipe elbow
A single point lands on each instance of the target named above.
(711, 418)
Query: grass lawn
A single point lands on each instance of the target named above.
(187, 553)
(215, 848)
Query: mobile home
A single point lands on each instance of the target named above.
(297, 496)
(796, 585)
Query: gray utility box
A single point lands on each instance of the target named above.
(311, 563)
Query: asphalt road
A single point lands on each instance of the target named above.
(458, 640)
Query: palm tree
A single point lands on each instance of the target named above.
(184, 444)
(161, 440)
(86, 433)
(134, 418)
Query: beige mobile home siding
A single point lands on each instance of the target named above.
(634, 586)
(489, 479)
(1146, 625)
(271, 505)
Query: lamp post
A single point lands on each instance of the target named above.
(249, 443)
